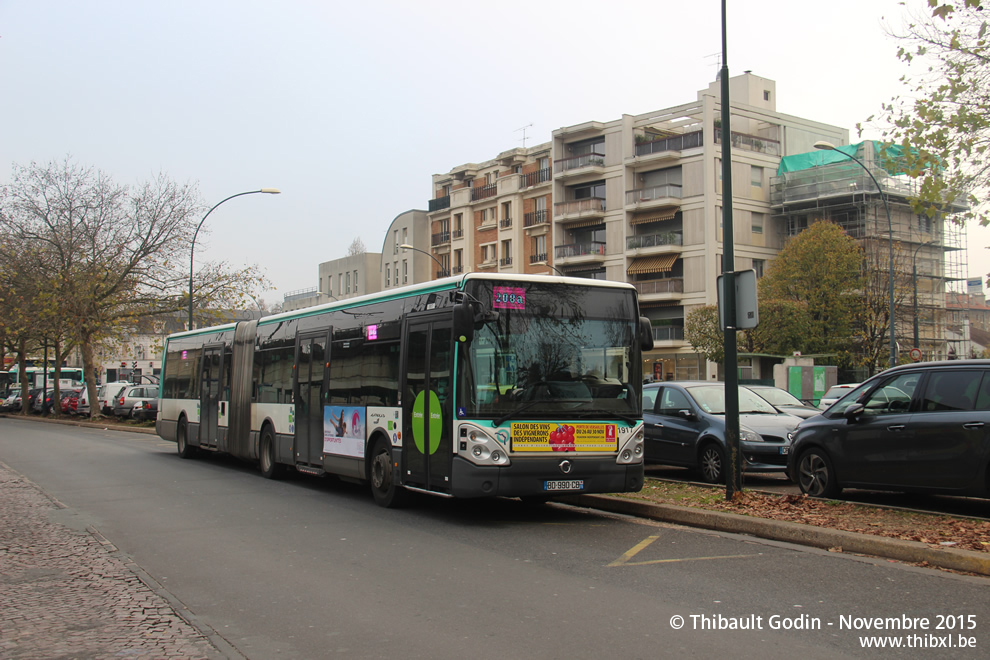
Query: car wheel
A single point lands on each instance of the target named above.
(380, 473)
(182, 441)
(270, 468)
(712, 463)
(816, 476)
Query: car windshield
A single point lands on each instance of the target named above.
(711, 399)
(551, 348)
(779, 397)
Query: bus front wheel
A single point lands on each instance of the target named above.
(387, 493)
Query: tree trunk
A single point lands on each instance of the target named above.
(89, 374)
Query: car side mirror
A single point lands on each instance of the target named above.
(853, 412)
(463, 321)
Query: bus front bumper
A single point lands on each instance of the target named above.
(548, 476)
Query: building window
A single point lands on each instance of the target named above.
(766, 95)
(540, 248)
(924, 223)
(506, 253)
(405, 271)
(355, 282)
(757, 223)
(458, 260)
(348, 284)
(756, 176)
(759, 265)
(488, 253)
(388, 275)
(405, 235)
(395, 242)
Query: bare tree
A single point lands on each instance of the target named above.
(356, 247)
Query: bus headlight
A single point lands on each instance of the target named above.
(632, 450)
(481, 448)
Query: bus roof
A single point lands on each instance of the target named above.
(445, 284)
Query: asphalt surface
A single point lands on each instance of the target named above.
(65, 591)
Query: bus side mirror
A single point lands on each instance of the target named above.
(463, 322)
(645, 334)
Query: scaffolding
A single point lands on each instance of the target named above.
(929, 252)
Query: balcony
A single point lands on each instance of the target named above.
(669, 286)
(592, 249)
(536, 218)
(483, 192)
(505, 223)
(506, 261)
(646, 241)
(670, 146)
(535, 178)
(750, 143)
(579, 209)
(440, 203)
(580, 164)
(457, 270)
(538, 258)
(457, 233)
(668, 333)
(665, 195)
(441, 238)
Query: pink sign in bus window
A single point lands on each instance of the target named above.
(508, 297)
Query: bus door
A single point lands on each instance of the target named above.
(427, 387)
(209, 395)
(310, 374)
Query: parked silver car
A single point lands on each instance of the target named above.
(133, 395)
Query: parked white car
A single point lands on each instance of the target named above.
(109, 393)
(835, 393)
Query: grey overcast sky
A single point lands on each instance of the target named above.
(349, 108)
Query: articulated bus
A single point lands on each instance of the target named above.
(471, 386)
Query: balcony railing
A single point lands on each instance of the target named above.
(483, 192)
(506, 261)
(579, 250)
(654, 240)
(538, 258)
(582, 160)
(440, 203)
(588, 205)
(672, 143)
(536, 218)
(457, 233)
(441, 238)
(457, 270)
(750, 143)
(505, 223)
(533, 178)
(666, 285)
(654, 192)
(668, 333)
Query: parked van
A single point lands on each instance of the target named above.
(109, 393)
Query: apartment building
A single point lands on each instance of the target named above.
(401, 266)
(639, 199)
(494, 216)
(347, 277)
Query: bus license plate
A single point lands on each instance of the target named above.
(785, 450)
(566, 484)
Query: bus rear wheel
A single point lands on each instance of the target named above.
(381, 475)
(182, 441)
(270, 469)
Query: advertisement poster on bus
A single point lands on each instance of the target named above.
(549, 436)
(343, 430)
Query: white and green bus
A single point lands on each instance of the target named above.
(471, 386)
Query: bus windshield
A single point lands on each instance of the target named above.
(551, 350)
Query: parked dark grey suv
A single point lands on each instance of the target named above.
(915, 428)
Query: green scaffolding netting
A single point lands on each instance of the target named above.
(885, 156)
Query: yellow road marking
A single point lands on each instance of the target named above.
(632, 552)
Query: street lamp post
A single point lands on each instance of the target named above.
(914, 277)
(444, 272)
(192, 247)
(828, 146)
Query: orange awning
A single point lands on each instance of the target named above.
(659, 264)
(658, 216)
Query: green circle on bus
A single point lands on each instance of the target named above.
(419, 422)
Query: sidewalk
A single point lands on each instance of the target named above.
(67, 593)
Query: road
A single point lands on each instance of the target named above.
(307, 568)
